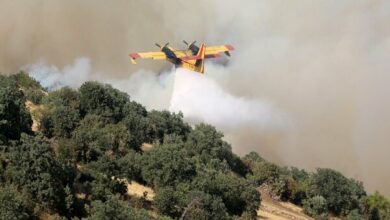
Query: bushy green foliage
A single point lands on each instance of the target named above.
(95, 136)
(237, 194)
(206, 146)
(103, 100)
(166, 200)
(379, 202)
(316, 207)
(34, 95)
(13, 205)
(265, 172)
(14, 117)
(201, 205)
(281, 180)
(130, 166)
(189, 204)
(342, 194)
(167, 165)
(92, 147)
(162, 123)
(34, 167)
(116, 209)
(62, 113)
(374, 214)
(30, 87)
(139, 127)
(354, 215)
(102, 187)
(23, 80)
(64, 121)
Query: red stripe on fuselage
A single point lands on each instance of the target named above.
(212, 55)
(229, 47)
(134, 55)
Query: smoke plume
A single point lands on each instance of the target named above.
(312, 75)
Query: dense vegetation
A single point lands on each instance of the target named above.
(88, 145)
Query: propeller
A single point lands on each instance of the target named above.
(159, 46)
(186, 43)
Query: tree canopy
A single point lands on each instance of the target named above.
(94, 140)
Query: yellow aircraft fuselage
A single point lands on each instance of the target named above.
(193, 58)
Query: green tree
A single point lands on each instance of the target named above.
(130, 166)
(95, 136)
(342, 194)
(199, 205)
(115, 209)
(34, 95)
(316, 207)
(103, 100)
(166, 165)
(102, 187)
(162, 123)
(63, 97)
(64, 121)
(237, 194)
(379, 202)
(252, 157)
(374, 214)
(265, 172)
(105, 165)
(205, 144)
(354, 215)
(34, 167)
(13, 205)
(30, 87)
(166, 202)
(139, 128)
(24, 81)
(14, 117)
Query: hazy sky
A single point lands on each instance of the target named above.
(314, 74)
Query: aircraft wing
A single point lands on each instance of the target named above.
(213, 50)
(180, 53)
(159, 55)
(152, 55)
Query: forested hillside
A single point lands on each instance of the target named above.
(86, 145)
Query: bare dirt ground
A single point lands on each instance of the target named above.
(276, 210)
(138, 190)
(270, 208)
(146, 147)
(36, 114)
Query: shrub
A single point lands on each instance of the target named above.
(13, 205)
(342, 194)
(34, 167)
(166, 165)
(102, 100)
(316, 207)
(15, 118)
(116, 209)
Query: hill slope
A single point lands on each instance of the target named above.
(72, 154)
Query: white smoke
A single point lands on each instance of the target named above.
(52, 78)
(147, 87)
(151, 89)
(201, 99)
(324, 63)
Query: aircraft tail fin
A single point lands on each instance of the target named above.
(199, 65)
(196, 62)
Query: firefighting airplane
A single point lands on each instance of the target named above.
(193, 58)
